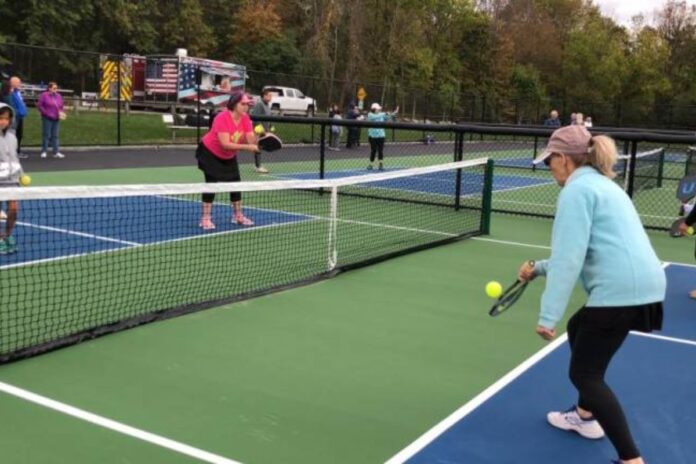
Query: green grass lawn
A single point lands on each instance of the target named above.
(92, 127)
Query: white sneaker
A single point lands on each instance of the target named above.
(59, 155)
(571, 420)
(3, 216)
(262, 170)
(43, 154)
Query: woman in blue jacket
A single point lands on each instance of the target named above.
(598, 238)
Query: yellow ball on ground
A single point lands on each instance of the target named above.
(25, 180)
(690, 231)
(494, 289)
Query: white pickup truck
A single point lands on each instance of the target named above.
(287, 100)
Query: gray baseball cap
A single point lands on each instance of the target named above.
(569, 140)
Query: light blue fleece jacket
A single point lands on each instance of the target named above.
(378, 132)
(598, 236)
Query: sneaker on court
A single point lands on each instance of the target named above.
(370, 167)
(206, 224)
(3, 247)
(44, 154)
(262, 170)
(10, 245)
(59, 155)
(570, 420)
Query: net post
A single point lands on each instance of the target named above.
(631, 174)
(487, 203)
(332, 260)
(458, 156)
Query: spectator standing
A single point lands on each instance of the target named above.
(51, 107)
(552, 120)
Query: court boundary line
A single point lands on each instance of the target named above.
(471, 405)
(665, 338)
(78, 233)
(115, 426)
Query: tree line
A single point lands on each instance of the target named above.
(520, 57)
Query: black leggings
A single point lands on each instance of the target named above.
(376, 146)
(595, 335)
(210, 197)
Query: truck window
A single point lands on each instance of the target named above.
(290, 93)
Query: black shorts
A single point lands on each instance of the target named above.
(216, 168)
(642, 318)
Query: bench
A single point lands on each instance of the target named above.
(168, 120)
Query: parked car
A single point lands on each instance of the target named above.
(287, 100)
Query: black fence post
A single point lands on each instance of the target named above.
(118, 101)
(198, 104)
(487, 205)
(458, 156)
(632, 168)
(322, 151)
(536, 150)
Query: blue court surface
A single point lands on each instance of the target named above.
(653, 375)
(440, 183)
(55, 229)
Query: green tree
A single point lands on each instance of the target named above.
(185, 27)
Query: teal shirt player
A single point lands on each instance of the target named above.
(377, 133)
(598, 237)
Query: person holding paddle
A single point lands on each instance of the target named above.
(597, 237)
(231, 131)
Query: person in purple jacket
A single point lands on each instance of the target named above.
(51, 108)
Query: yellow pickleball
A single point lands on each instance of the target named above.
(258, 130)
(24, 180)
(690, 231)
(494, 289)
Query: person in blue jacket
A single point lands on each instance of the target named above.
(598, 238)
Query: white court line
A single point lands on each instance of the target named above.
(682, 341)
(505, 242)
(119, 427)
(477, 401)
(79, 234)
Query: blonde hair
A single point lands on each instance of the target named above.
(601, 155)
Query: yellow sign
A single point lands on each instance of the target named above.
(362, 94)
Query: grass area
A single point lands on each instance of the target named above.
(91, 127)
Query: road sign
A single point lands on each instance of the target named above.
(362, 95)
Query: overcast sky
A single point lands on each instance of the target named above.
(623, 10)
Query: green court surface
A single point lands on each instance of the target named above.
(347, 370)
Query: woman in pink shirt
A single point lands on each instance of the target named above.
(231, 131)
